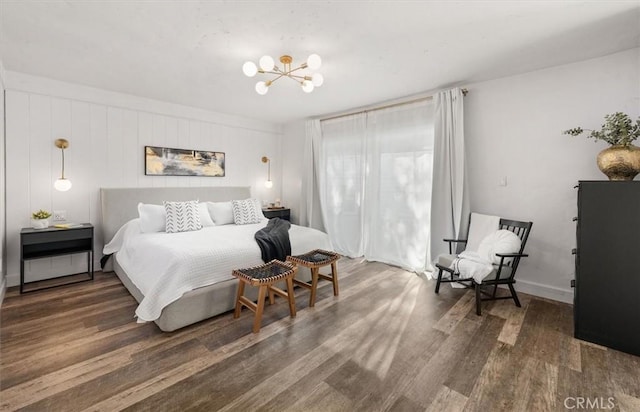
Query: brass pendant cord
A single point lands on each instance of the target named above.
(62, 177)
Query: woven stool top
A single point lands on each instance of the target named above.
(315, 258)
(269, 272)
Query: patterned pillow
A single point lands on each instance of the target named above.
(247, 211)
(182, 216)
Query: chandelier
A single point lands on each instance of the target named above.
(267, 66)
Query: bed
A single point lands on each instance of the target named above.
(205, 258)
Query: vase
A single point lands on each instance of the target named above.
(619, 162)
(39, 223)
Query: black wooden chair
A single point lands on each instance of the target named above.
(502, 274)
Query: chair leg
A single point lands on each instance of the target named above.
(291, 297)
(514, 295)
(272, 299)
(334, 275)
(495, 289)
(478, 298)
(239, 293)
(438, 281)
(314, 287)
(257, 320)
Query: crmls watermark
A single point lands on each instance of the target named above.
(587, 403)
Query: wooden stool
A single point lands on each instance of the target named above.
(314, 260)
(264, 276)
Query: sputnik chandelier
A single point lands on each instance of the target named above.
(268, 66)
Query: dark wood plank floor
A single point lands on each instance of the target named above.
(386, 343)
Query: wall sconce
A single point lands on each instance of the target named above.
(62, 184)
(268, 184)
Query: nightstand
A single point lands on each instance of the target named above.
(281, 212)
(41, 243)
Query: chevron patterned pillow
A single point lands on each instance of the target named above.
(182, 216)
(247, 211)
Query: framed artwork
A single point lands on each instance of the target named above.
(165, 161)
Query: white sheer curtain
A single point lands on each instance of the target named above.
(310, 211)
(341, 158)
(375, 188)
(450, 207)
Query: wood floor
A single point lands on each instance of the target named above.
(386, 343)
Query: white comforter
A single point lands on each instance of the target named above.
(164, 266)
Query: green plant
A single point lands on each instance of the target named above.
(618, 129)
(41, 214)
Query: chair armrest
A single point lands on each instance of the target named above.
(510, 255)
(504, 256)
(450, 241)
(446, 269)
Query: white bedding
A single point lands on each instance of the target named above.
(164, 266)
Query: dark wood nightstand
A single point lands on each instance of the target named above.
(53, 241)
(281, 212)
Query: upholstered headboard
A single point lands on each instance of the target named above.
(119, 205)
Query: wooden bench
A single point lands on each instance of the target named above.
(314, 260)
(264, 276)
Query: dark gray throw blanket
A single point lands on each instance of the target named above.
(274, 240)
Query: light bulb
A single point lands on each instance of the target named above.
(262, 88)
(249, 69)
(268, 184)
(62, 185)
(307, 86)
(266, 63)
(317, 79)
(314, 62)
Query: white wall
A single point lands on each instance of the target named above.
(293, 138)
(513, 129)
(107, 133)
(3, 260)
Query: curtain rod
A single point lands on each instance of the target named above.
(421, 99)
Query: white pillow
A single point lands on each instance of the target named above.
(247, 211)
(205, 217)
(152, 218)
(500, 241)
(221, 212)
(182, 216)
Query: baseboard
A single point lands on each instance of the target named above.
(12, 280)
(3, 288)
(545, 291)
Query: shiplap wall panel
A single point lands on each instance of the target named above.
(18, 165)
(78, 206)
(145, 138)
(115, 151)
(40, 154)
(107, 150)
(131, 152)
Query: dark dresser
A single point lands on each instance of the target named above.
(607, 284)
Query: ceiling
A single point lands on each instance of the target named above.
(191, 52)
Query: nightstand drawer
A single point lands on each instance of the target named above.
(281, 213)
(57, 236)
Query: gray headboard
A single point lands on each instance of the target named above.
(119, 205)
